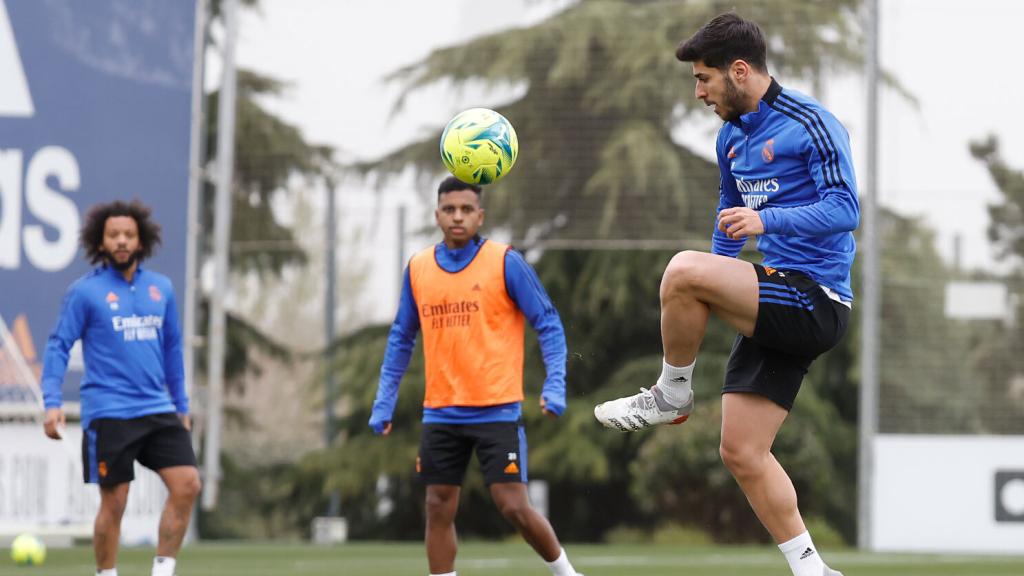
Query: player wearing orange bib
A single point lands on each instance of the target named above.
(471, 298)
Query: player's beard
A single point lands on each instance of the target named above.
(733, 101)
(122, 266)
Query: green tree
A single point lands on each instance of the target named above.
(598, 100)
(995, 349)
(603, 96)
(921, 349)
(267, 153)
(1006, 226)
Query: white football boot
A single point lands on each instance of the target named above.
(643, 410)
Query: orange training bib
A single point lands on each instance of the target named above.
(472, 330)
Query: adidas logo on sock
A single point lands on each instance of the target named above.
(807, 553)
(678, 379)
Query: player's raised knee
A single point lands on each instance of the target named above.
(686, 271)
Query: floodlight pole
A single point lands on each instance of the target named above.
(221, 244)
(196, 178)
(871, 305)
(331, 384)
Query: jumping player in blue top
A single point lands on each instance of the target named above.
(134, 404)
(787, 179)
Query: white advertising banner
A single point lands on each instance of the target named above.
(948, 494)
(41, 487)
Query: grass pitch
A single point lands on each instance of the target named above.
(507, 559)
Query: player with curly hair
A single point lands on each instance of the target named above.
(134, 403)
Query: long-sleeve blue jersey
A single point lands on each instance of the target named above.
(525, 289)
(790, 160)
(131, 344)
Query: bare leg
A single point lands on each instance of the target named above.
(182, 486)
(749, 425)
(694, 285)
(442, 543)
(512, 501)
(107, 528)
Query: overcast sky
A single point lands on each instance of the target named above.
(960, 59)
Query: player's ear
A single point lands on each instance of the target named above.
(739, 70)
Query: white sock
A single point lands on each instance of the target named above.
(674, 383)
(163, 566)
(561, 566)
(445, 574)
(802, 556)
(107, 572)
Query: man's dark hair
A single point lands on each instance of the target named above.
(724, 40)
(453, 184)
(91, 236)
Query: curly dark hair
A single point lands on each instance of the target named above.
(91, 236)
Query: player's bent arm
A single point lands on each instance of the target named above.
(838, 208)
(525, 289)
(728, 197)
(401, 341)
(723, 245)
(837, 211)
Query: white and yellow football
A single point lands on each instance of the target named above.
(27, 550)
(479, 146)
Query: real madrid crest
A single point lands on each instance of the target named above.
(768, 151)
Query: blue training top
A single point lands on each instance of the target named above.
(790, 160)
(525, 289)
(131, 344)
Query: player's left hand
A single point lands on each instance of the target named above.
(740, 222)
(186, 421)
(544, 409)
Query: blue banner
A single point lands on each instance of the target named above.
(94, 106)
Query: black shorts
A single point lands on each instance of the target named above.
(796, 322)
(445, 450)
(110, 447)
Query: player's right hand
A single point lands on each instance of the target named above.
(54, 423)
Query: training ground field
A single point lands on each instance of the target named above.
(512, 559)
